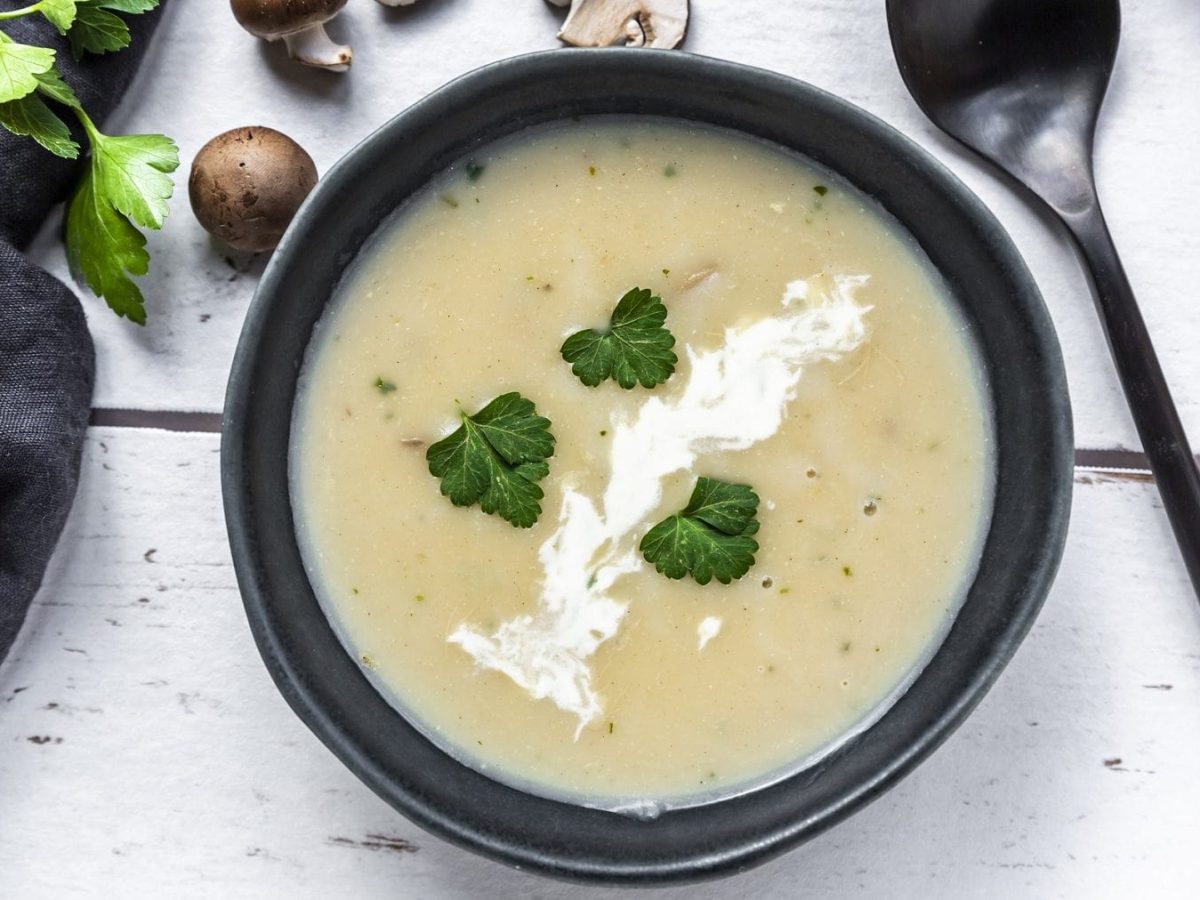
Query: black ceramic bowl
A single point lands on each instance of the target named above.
(325, 686)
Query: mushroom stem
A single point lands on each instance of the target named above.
(313, 47)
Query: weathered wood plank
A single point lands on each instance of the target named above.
(144, 750)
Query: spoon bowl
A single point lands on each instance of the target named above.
(1021, 83)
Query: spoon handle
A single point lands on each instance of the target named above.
(1149, 398)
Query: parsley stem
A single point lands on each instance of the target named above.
(88, 125)
(24, 11)
(93, 133)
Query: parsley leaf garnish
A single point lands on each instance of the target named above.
(133, 7)
(59, 13)
(128, 179)
(496, 459)
(710, 538)
(20, 64)
(30, 117)
(635, 348)
(93, 27)
(135, 170)
(96, 30)
(52, 85)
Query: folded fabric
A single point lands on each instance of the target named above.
(46, 356)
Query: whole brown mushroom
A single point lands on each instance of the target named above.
(247, 183)
(301, 25)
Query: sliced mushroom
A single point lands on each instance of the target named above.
(397, 2)
(640, 23)
(301, 25)
(698, 277)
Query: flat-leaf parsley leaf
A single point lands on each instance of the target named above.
(496, 459)
(128, 178)
(30, 117)
(93, 26)
(20, 64)
(51, 84)
(59, 13)
(127, 181)
(710, 538)
(96, 30)
(635, 348)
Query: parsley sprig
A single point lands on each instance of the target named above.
(128, 178)
(710, 538)
(496, 459)
(635, 348)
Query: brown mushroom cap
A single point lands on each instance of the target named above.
(271, 19)
(247, 183)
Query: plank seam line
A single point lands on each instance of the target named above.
(1097, 459)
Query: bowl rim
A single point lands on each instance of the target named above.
(513, 848)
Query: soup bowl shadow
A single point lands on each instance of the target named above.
(1007, 322)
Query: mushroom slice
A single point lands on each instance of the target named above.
(300, 24)
(640, 23)
(397, 2)
(698, 277)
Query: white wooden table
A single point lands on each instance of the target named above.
(144, 750)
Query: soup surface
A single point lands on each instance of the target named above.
(820, 362)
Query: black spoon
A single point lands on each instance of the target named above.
(1021, 82)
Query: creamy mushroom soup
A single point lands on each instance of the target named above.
(819, 362)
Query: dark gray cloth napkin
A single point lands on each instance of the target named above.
(47, 363)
